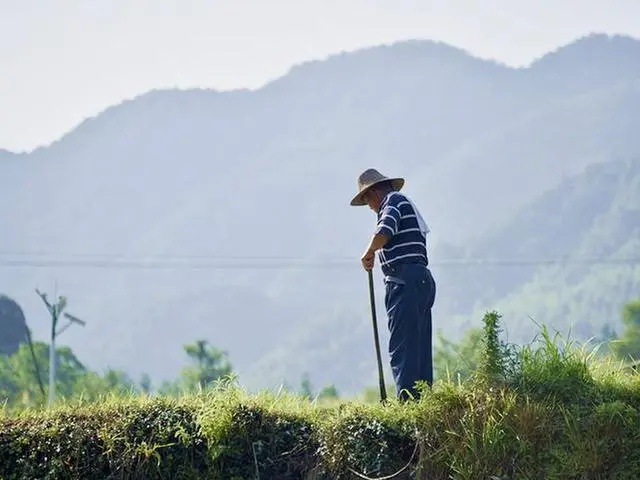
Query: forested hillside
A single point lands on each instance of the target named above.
(592, 222)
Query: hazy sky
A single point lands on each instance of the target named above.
(64, 60)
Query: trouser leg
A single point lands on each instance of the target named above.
(404, 317)
(427, 297)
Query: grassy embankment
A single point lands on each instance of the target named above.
(550, 410)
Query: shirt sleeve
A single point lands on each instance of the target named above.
(389, 220)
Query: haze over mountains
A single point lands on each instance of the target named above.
(253, 188)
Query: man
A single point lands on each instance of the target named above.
(400, 238)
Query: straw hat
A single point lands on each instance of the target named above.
(368, 179)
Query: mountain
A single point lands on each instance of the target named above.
(592, 221)
(178, 215)
(13, 326)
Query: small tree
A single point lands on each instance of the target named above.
(628, 345)
(492, 366)
(211, 364)
(146, 383)
(330, 391)
(458, 360)
(306, 390)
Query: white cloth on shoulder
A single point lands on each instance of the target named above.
(424, 228)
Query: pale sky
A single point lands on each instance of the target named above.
(64, 60)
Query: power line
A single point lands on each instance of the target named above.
(160, 256)
(257, 263)
(57, 256)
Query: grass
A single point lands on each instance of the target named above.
(548, 410)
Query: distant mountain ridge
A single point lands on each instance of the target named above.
(590, 219)
(616, 53)
(268, 174)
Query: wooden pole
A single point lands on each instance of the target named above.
(383, 391)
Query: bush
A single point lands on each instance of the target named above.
(143, 439)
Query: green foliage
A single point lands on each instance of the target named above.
(552, 409)
(326, 393)
(606, 337)
(492, 368)
(210, 365)
(555, 370)
(131, 438)
(259, 437)
(330, 391)
(372, 394)
(628, 345)
(19, 387)
(305, 386)
(457, 362)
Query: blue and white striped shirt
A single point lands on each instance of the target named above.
(398, 219)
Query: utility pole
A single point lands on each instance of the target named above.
(35, 362)
(55, 310)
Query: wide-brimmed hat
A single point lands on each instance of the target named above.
(370, 178)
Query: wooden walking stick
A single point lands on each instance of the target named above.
(383, 392)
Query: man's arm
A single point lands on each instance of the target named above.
(386, 228)
(378, 241)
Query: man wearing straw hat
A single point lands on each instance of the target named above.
(400, 238)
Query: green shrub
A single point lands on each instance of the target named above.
(150, 439)
(372, 440)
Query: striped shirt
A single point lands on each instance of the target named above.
(397, 219)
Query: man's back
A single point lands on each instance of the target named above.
(399, 218)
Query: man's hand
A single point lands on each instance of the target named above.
(368, 259)
(377, 241)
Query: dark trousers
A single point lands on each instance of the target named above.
(409, 296)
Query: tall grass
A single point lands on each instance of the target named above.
(552, 409)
